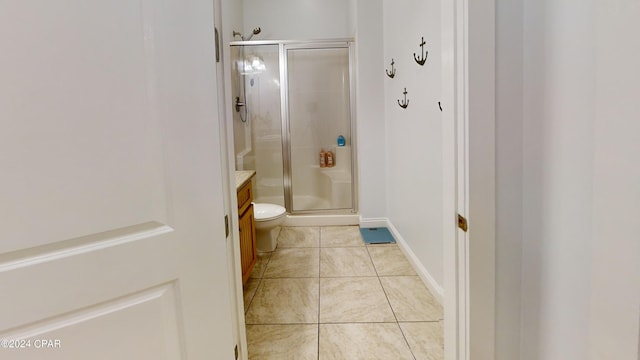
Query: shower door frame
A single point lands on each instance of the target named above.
(283, 47)
(286, 123)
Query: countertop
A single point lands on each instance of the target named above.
(242, 177)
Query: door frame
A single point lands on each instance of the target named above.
(453, 120)
(468, 30)
(238, 329)
(468, 64)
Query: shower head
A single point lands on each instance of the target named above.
(255, 31)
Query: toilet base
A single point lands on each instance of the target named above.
(267, 239)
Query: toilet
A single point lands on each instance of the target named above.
(268, 218)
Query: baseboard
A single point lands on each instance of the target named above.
(373, 222)
(427, 279)
(321, 220)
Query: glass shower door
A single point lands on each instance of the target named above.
(319, 127)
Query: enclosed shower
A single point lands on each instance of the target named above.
(293, 101)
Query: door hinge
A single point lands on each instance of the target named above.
(236, 351)
(462, 223)
(226, 225)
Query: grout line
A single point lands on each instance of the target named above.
(291, 277)
(319, 298)
(253, 296)
(343, 323)
(256, 291)
(318, 350)
(398, 276)
(298, 278)
(391, 306)
(382, 286)
(341, 246)
(419, 321)
(297, 247)
(358, 322)
(282, 324)
(406, 341)
(347, 276)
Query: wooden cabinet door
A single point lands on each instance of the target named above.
(248, 253)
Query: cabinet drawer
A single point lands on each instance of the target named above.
(245, 196)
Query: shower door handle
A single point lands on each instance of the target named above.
(239, 104)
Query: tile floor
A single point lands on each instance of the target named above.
(324, 294)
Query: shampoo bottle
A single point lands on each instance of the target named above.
(330, 162)
(323, 158)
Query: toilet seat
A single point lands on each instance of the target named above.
(265, 212)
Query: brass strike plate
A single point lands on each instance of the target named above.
(462, 223)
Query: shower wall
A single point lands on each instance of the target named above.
(257, 84)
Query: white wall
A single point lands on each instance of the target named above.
(509, 87)
(353, 17)
(414, 138)
(614, 302)
(558, 182)
(580, 289)
(371, 143)
(298, 20)
(481, 171)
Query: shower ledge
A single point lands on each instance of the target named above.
(337, 175)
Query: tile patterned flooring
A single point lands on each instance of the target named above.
(324, 294)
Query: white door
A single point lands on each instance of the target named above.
(112, 240)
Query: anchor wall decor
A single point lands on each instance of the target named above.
(424, 55)
(393, 70)
(405, 102)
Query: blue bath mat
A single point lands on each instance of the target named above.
(379, 235)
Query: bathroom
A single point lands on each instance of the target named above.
(397, 152)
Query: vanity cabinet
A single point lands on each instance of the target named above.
(248, 252)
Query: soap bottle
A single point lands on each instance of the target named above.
(323, 158)
(341, 141)
(330, 162)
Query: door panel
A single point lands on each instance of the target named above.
(147, 312)
(112, 236)
(74, 82)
